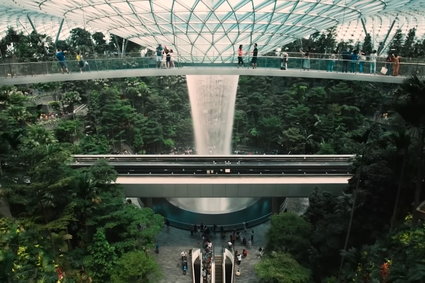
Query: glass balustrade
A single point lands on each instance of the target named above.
(269, 62)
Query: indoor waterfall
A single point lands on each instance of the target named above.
(212, 100)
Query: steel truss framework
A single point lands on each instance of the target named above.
(213, 29)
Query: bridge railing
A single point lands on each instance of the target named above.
(271, 62)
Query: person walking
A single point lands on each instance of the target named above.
(240, 56)
(254, 56)
(60, 55)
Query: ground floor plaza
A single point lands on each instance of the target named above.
(173, 241)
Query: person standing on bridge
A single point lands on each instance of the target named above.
(80, 61)
(167, 58)
(159, 50)
(396, 64)
(354, 61)
(254, 56)
(172, 58)
(362, 60)
(331, 61)
(346, 57)
(60, 55)
(284, 60)
(306, 60)
(240, 57)
(372, 58)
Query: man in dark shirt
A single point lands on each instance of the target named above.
(60, 55)
(159, 51)
(346, 57)
(254, 57)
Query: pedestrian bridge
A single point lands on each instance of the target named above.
(183, 176)
(110, 68)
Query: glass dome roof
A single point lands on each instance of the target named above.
(213, 29)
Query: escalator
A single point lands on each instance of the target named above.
(196, 271)
(218, 259)
(222, 270)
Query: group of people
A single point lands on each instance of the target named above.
(243, 237)
(60, 56)
(351, 60)
(392, 64)
(164, 57)
(355, 61)
(253, 59)
(207, 257)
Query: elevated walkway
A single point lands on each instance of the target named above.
(180, 176)
(110, 68)
(126, 73)
(174, 186)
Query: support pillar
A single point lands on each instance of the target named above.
(38, 36)
(276, 203)
(59, 32)
(364, 26)
(147, 202)
(383, 45)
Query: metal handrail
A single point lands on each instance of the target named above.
(115, 55)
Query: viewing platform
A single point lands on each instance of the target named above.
(110, 68)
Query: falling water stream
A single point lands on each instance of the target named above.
(212, 99)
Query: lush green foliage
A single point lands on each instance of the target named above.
(17, 46)
(311, 117)
(400, 252)
(280, 267)
(135, 266)
(76, 221)
(386, 183)
(289, 233)
(72, 222)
